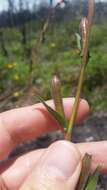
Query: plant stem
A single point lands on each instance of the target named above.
(85, 58)
(75, 106)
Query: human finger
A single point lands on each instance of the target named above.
(20, 125)
(98, 150)
(14, 172)
(58, 168)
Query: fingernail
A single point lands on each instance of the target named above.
(62, 157)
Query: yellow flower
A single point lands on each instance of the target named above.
(16, 94)
(11, 65)
(16, 77)
(52, 45)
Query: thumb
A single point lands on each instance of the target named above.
(58, 168)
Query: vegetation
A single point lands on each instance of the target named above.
(25, 61)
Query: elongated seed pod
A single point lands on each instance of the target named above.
(56, 94)
(84, 30)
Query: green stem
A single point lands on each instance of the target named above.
(85, 59)
(76, 103)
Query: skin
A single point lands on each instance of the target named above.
(58, 166)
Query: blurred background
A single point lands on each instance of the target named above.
(37, 40)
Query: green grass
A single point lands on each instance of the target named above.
(57, 55)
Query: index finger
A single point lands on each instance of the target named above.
(20, 125)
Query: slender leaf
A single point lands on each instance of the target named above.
(78, 38)
(55, 114)
(93, 180)
(85, 171)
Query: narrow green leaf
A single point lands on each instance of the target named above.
(85, 171)
(93, 180)
(55, 114)
(78, 38)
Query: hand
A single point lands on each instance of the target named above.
(54, 168)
